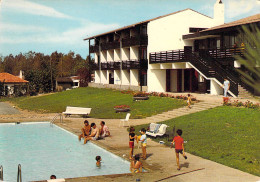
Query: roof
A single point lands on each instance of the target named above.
(67, 79)
(243, 21)
(8, 78)
(224, 27)
(146, 21)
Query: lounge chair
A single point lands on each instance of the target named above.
(125, 120)
(160, 132)
(154, 127)
(77, 110)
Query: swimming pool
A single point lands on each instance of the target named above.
(43, 150)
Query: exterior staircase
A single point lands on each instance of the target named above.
(243, 93)
(199, 106)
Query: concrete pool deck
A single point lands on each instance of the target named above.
(160, 163)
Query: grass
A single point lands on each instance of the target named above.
(102, 102)
(227, 135)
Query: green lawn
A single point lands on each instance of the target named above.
(227, 135)
(102, 102)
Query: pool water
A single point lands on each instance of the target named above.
(43, 150)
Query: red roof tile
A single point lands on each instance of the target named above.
(8, 78)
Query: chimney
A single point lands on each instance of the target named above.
(21, 74)
(219, 15)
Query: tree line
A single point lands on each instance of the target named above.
(42, 70)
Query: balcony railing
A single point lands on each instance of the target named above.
(135, 64)
(132, 41)
(110, 66)
(93, 48)
(95, 66)
(167, 56)
(110, 45)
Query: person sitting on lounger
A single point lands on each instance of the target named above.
(104, 130)
(85, 130)
(94, 133)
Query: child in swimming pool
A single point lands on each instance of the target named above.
(98, 159)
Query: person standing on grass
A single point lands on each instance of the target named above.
(131, 141)
(189, 101)
(226, 86)
(179, 146)
(85, 130)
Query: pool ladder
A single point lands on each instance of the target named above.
(1, 173)
(55, 117)
(19, 173)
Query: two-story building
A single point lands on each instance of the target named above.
(164, 54)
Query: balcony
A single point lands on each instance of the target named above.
(110, 45)
(133, 41)
(135, 64)
(93, 48)
(110, 66)
(95, 66)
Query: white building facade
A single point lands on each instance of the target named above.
(140, 56)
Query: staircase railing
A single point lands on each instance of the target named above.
(19, 173)
(204, 62)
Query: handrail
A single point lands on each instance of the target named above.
(1, 173)
(19, 173)
(55, 117)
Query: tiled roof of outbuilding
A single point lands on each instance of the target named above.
(8, 78)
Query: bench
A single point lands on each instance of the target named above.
(76, 110)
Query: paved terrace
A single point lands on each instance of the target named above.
(161, 161)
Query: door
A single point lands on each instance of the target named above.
(179, 80)
(168, 80)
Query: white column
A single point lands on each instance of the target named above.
(103, 57)
(104, 77)
(134, 52)
(134, 77)
(125, 54)
(110, 55)
(117, 55)
(125, 77)
(97, 76)
(117, 77)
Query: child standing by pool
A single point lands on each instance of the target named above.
(179, 146)
(131, 141)
(143, 140)
(189, 101)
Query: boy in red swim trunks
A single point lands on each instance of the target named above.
(179, 146)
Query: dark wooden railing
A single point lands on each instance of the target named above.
(137, 40)
(93, 48)
(110, 45)
(110, 65)
(95, 66)
(206, 61)
(167, 56)
(135, 64)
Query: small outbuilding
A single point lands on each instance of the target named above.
(11, 85)
(63, 83)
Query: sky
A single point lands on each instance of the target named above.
(47, 26)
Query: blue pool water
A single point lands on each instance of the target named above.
(43, 150)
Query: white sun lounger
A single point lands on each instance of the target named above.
(77, 110)
(160, 132)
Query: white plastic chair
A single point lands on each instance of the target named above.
(161, 131)
(125, 120)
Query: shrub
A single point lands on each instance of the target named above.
(140, 94)
(122, 107)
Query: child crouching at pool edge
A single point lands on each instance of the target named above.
(98, 159)
(136, 165)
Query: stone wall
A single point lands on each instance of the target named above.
(118, 87)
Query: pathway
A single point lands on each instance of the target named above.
(6, 109)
